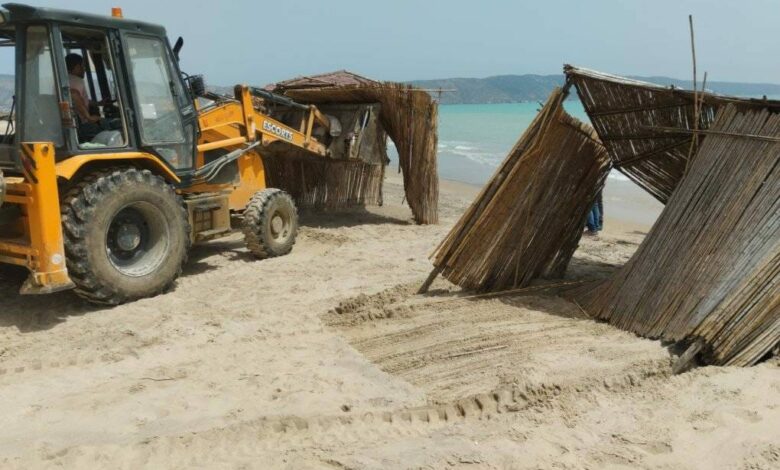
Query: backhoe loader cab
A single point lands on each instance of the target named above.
(109, 171)
(133, 86)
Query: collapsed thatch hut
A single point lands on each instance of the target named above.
(648, 128)
(408, 116)
(708, 273)
(710, 267)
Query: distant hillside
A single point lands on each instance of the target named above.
(500, 89)
(520, 88)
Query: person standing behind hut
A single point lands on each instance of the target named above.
(595, 220)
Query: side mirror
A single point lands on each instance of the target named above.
(197, 85)
(177, 47)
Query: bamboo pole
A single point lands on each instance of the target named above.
(695, 140)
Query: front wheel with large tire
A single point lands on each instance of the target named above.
(126, 235)
(270, 223)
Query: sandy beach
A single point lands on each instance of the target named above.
(325, 359)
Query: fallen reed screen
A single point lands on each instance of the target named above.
(527, 221)
(710, 268)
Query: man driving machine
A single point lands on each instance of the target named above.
(89, 124)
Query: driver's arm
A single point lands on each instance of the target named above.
(81, 109)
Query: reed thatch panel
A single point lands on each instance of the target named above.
(710, 267)
(621, 110)
(409, 117)
(351, 176)
(527, 221)
(320, 183)
(633, 118)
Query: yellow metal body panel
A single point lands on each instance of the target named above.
(36, 240)
(224, 125)
(68, 168)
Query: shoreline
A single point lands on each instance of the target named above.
(629, 210)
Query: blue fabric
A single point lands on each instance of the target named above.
(594, 218)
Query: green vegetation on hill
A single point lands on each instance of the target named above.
(520, 88)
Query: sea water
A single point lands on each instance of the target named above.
(475, 138)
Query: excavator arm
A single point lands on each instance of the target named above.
(240, 123)
(240, 131)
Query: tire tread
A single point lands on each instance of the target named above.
(254, 226)
(78, 203)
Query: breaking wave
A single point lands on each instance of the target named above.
(480, 156)
(471, 152)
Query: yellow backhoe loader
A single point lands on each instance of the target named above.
(108, 201)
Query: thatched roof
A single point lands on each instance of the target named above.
(643, 125)
(339, 78)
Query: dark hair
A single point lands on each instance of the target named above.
(72, 60)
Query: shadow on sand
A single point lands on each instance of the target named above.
(348, 218)
(582, 274)
(31, 313)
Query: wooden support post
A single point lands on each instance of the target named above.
(427, 284)
(685, 362)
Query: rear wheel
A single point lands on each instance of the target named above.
(126, 235)
(270, 223)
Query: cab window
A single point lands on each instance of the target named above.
(95, 98)
(42, 121)
(8, 104)
(155, 91)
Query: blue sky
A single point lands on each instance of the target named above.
(259, 42)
